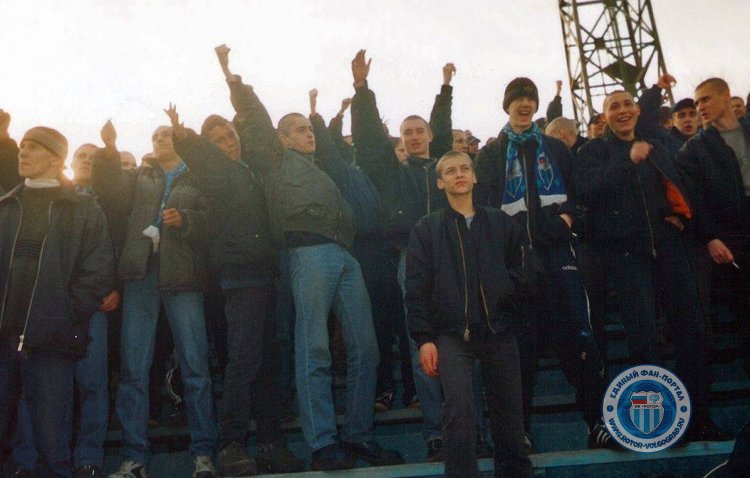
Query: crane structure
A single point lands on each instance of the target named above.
(609, 45)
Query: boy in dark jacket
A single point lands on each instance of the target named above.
(463, 270)
(243, 252)
(56, 266)
(310, 217)
(638, 207)
(716, 162)
(528, 175)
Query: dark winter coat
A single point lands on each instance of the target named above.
(76, 270)
(437, 278)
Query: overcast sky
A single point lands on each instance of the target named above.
(74, 64)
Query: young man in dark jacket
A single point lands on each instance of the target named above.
(310, 216)
(408, 192)
(638, 207)
(56, 266)
(716, 162)
(528, 175)
(243, 252)
(463, 273)
(162, 262)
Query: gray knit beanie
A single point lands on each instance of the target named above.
(50, 138)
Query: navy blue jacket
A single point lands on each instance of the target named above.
(624, 201)
(715, 183)
(437, 277)
(408, 191)
(76, 270)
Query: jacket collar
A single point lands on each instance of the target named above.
(67, 193)
(414, 161)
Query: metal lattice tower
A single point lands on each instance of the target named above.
(609, 45)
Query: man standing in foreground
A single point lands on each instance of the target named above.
(463, 268)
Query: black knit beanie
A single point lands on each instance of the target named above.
(518, 88)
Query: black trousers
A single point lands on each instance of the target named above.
(558, 317)
(501, 373)
(251, 367)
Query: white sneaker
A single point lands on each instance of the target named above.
(130, 469)
(204, 467)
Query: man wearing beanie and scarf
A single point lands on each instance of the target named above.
(527, 175)
(56, 266)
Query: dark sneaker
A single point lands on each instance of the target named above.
(373, 453)
(88, 471)
(234, 461)
(702, 428)
(384, 401)
(331, 457)
(277, 458)
(203, 467)
(435, 450)
(130, 469)
(483, 449)
(599, 437)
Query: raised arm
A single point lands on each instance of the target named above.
(9, 177)
(649, 102)
(209, 166)
(440, 116)
(375, 154)
(335, 128)
(554, 108)
(261, 147)
(114, 186)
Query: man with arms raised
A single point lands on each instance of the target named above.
(311, 218)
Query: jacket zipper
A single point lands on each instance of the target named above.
(648, 215)
(22, 337)
(486, 310)
(427, 187)
(526, 198)
(7, 283)
(466, 283)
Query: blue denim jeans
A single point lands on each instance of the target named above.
(326, 276)
(46, 380)
(185, 315)
(429, 390)
(93, 397)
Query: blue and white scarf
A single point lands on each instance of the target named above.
(549, 181)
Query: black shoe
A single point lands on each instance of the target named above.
(331, 457)
(373, 453)
(599, 437)
(528, 447)
(384, 401)
(234, 461)
(88, 471)
(275, 457)
(482, 448)
(704, 429)
(435, 450)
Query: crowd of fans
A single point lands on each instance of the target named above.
(272, 251)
